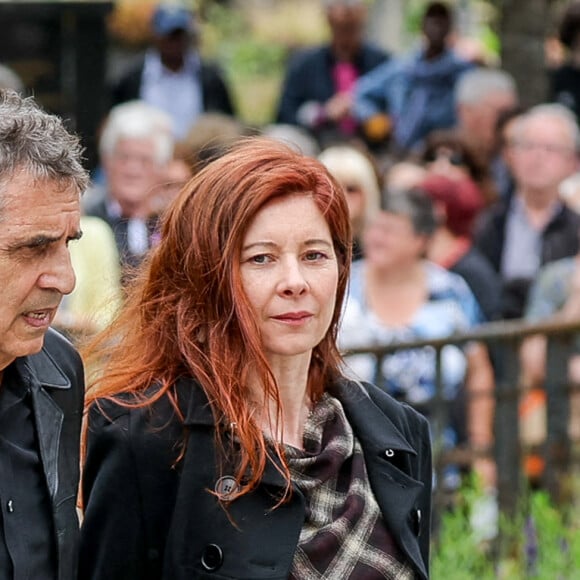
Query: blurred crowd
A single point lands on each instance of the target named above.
(464, 204)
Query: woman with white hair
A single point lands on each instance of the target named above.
(135, 148)
(359, 179)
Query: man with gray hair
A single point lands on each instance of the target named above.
(533, 227)
(41, 375)
(482, 97)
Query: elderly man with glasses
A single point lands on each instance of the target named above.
(535, 226)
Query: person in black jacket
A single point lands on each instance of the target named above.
(317, 90)
(41, 375)
(135, 148)
(222, 437)
(534, 226)
(172, 76)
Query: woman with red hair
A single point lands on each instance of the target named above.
(221, 436)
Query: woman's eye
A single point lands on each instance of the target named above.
(260, 259)
(314, 256)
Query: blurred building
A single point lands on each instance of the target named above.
(58, 49)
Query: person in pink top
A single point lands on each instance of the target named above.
(317, 90)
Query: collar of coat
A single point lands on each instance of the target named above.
(41, 369)
(371, 425)
(384, 445)
(41, 374)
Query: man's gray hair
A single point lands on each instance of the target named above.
(553, 111)
(38, 143)
(138, 120)
(476, 84)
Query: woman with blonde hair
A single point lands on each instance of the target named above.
(355, 172)
(222, 436)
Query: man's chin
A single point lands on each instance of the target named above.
(33, 345)
(19, 349)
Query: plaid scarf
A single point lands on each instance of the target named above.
(344, 535)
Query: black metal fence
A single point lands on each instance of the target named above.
(503, 340)
(555, 450)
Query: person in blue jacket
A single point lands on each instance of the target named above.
(415, 92)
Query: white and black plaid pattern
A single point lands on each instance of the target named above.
(344, 535)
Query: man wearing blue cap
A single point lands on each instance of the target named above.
(172, 76)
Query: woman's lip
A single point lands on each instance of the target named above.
(294, 315)
(293, 318)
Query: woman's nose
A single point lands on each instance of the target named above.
(292, 279)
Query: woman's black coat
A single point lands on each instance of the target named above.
(149, 516)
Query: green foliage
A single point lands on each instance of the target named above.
(490, 41)
(252, 57)
(538, 542)
(558, 541)
(457, 553)
(241, 50)
(222, 26)
(253, 65)
(414, 10)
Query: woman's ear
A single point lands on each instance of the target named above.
(424, 241)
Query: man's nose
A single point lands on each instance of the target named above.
(59, 274)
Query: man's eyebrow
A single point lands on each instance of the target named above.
(36, 241)
(42, 240)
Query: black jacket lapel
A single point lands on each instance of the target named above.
(48, 416)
